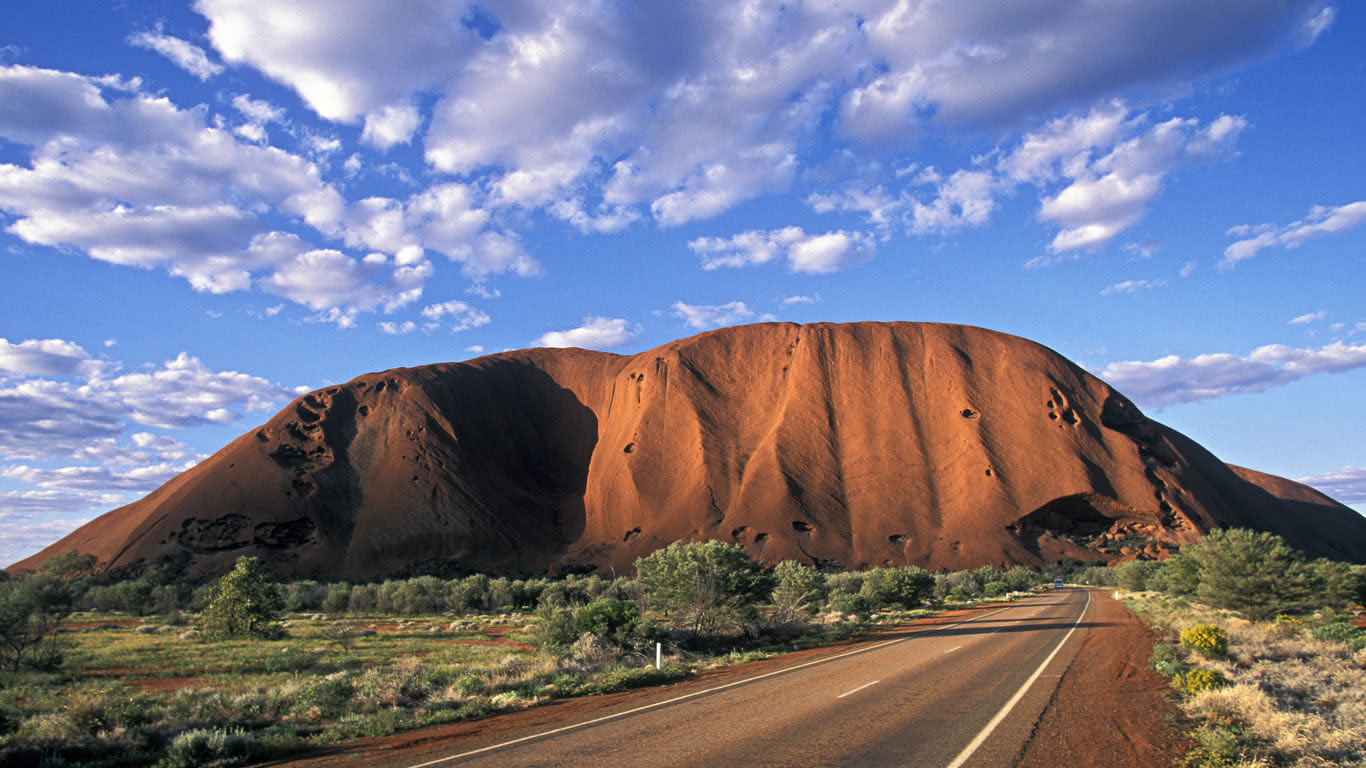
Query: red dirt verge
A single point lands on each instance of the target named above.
(1110, 708)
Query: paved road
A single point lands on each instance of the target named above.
(963, 696)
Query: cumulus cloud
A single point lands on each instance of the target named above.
(458, 314)
(135, 180)
(1321, 221)
(1172, 379)
(1095, 173)
(45, 357)
(398, 329)
(605, 112)
(1347, 485)
(57, 408)
(803, 252)
(1110, 193)
(391, 125)
(791, 300)
(712, 316)
(595, 333)
(184, 54)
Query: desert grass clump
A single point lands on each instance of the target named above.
(1207, 639)
(1289, 698)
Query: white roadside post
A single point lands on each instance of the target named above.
(659, 655)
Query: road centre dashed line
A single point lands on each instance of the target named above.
(694, 694)
(951, 650)
(856, 690)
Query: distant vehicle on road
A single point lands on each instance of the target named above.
(1057, 583)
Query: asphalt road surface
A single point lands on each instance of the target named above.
(965, 695)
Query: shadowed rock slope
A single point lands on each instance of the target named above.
(846, 444)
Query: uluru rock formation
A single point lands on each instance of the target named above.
(853, 445)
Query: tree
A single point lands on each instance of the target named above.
(30, 610)
(703, 585)
(1256, 573)
(799, 589)
(244, 603)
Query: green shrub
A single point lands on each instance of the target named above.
(995, 588)
(244, 603)
(329, 694)
(1168, 660)
(1341, 632)
(1199, 679)
(905, 588)
(1207, 639)
(853, 604)
(616, 620)
(706, 586)
(556, 630)
(207, 746)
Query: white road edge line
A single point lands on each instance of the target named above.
(695, 694)
(856, 690)
(995, 721)
(951, 650)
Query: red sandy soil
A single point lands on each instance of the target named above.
(1109, 708)
(855, 445)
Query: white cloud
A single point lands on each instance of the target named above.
(1321, 221)
(712, 316)
(965, 199)
(460, 315)
(34, 519)
(803, 252)
(791, 300)
(45, 357)
(391, 125)
(1131, 286)
(256, 110)
(1109, 194)
(1347, 485)
(1170, 380)
(1316, 25)
(184, 54)
(42, 418)
(1308, 317)
(595, 333)
(343, 65)
(397, 329)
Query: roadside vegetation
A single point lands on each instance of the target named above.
(1264, 649)
(151, 671)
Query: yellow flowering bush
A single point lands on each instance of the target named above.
(1207, 639)
(1197, 680)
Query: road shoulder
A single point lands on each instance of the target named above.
(1109, 708)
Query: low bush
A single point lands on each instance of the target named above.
(1207, 639)
(1341, 632)
(1199, 679)
(208, 746)
(1169, 660)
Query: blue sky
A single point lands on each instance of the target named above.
(208, 207)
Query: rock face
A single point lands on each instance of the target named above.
(853, 445)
